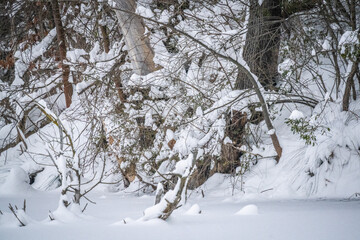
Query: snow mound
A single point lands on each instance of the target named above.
(296, 115)
(68, 215)
(17, 182)
(194, 210)
(250, 209)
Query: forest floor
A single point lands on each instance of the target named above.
(265, 219)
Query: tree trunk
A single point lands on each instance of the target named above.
(230, 152)
(261, 53)
(133, 29)
(349, 83)
(105, 37)
(262, 44)
(68, 89)
(103, 30)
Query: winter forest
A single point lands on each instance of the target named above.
(180, 119)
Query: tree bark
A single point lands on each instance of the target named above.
(349, 83)
(68, 89)
(262, 43)
(105, 38)
(230, 152)
(133, 29)
(261, 50)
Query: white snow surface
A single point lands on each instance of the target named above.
(194, 210)
(16, 182)
(286, 219)
(250, 209)
(296, 115)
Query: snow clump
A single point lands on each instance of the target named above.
(250, 209)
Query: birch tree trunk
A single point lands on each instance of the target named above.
(133, 29)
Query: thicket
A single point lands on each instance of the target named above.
(221, 73)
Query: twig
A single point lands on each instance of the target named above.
(266, 190)
(355, 195)
(84, 207)
(24, 208)
(51, 216)
(88, 199)
(14, 212)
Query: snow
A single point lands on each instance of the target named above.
(199, 112)
(194, 210)
(296, 114)
(285, 67)
(349, 37)
(145, 12)
(182, 167)
(250, 209)
(290, 219)
(156, 211)
(271, 132)
(227, 140)
(29, 55)
(7, 132)
(326, 45)
(169, 135)
(17, 182)
(75, 55)
(312, 193)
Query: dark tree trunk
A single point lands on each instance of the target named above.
(105, 38)
(262, 44)
(202, 172)
(68, 89)
(230, 152)
(349, 85)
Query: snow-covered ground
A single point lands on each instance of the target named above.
(221, 218)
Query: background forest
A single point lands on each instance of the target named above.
(175, 98)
